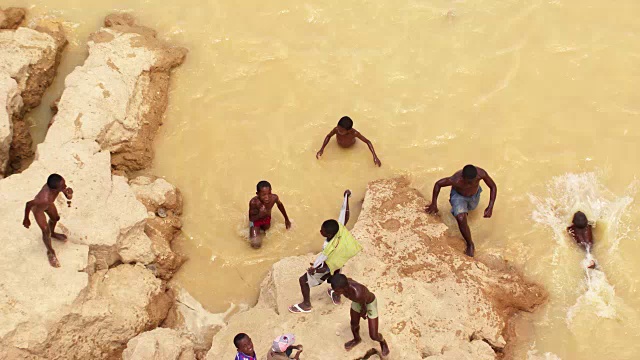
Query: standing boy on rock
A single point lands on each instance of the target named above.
(44, 203)
(346, 136)
(364, 305)
(260, 212)
(465, 196)
(339, 247)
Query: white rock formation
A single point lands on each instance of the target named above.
(93, 304)
(434, 302)
(159, 344)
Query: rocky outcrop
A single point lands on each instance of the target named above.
(124, 115)
(161, 343)
(105, 293)
(30, 58)
(434, 302)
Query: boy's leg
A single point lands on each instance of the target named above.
(355, 330)
(53, 221)
(254, 237)
(306, 292)
(461, 218)
(376, 336)
(41, 220)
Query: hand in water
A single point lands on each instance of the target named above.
(377, 161)
(287, 223)
(347, 193)
(488, 212)
(319, 154)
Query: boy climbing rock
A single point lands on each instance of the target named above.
(346, 136)
(260, 212)
(44, 203)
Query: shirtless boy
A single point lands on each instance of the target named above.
(346, 136)
(465, 196)
(364, 305)
(44, 203)
(581, 232)
(260, 212)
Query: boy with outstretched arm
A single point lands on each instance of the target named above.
(260, 212)
(346, 136)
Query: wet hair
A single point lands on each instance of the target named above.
(469, 172)
(330, 227)
(339, 281)
(238, 338)
(345, 122)
(54, 180)
(580, 220)
(263, 184)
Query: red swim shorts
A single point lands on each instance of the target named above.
(261, 222)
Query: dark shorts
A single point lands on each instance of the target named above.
(463, 204)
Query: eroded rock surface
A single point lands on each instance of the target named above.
(159, 344)
(122, 116)
(29, 57)
(434, 302)
(104, 294)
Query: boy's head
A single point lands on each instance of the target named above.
(243, 343)
(329, 229)
(339, 283)
(469, 173)
(283, 342)
(345, 124)
(55, 182)
(263, 190)
(580, 220)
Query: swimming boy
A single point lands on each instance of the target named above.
(260, 212)
(346, 136)
(581, 232)
(339, 247)
(244, 345)
(44, 203)
(465, 196)
(364, 305)
(283, 347)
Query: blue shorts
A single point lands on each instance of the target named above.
(463, 204)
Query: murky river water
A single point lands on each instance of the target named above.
(542, 94)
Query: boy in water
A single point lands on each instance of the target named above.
(581, 232)
(465, 196)
(260, 212)
(364, 305)
(244, 345)
(346, 136)
(44, 203)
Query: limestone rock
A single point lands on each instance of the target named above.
(10, 104)
(158, 195)
(30, 57)
(160, 343)
(122, 115)
(433, 301)
(11, 18)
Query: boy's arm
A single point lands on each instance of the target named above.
(326, 141)
(433, 207)
(494, 192)
(370, 145)
(346, 215)
(26, 222)
(254, 211)
(287, 223)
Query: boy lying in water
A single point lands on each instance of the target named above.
(581, 232)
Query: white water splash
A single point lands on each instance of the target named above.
(533, 355)
(583, 192)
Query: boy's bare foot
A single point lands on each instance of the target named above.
(53, 260)
(351, 344)
(57, 236)
(385, 348)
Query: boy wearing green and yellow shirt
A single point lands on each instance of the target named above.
(339, 247)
